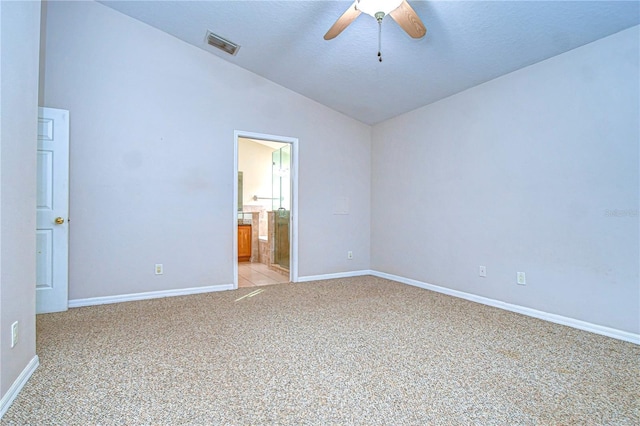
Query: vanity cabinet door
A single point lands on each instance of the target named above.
(244, 243)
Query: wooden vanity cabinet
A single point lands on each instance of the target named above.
(244, 243)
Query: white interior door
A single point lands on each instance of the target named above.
(52, 234)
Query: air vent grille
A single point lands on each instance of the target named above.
(222, 43)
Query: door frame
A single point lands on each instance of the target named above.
(293, 235)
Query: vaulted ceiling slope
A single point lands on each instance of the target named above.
(467, 43)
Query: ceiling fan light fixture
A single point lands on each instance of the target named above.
(372, 7)
(399, 10)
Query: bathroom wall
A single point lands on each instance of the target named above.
(254, 161)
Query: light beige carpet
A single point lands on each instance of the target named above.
(363, 350)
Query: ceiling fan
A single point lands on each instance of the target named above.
(399, 10)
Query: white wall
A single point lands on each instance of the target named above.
(151, 152)
(20, 35)
(521, 174)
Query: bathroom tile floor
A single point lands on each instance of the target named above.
(258, 274)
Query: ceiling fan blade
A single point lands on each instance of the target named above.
(343, 22)
(408, 20)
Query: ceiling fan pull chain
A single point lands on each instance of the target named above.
(380, 40)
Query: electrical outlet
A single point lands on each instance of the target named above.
(159, 270)
(14, 334)
(349, 255)
(483, 271)
(522, 280)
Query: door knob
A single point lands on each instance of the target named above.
(59, 220)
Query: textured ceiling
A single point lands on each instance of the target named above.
(467, 43)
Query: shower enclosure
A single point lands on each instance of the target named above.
(281, 187)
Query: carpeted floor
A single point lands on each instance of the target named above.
(362, 350)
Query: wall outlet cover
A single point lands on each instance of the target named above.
(522, 280)
(14, 334)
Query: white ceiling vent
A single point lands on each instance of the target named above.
(222, 43)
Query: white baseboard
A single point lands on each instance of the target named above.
(554, 318)
(92, 301)
(336, 275)
(558, 319)
(17, 386)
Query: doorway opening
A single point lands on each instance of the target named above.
(265, 219)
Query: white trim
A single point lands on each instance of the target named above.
(104, 300)
(554, 318)
(293, 273)
(336, 275)
(234, 252)
(18, 384)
